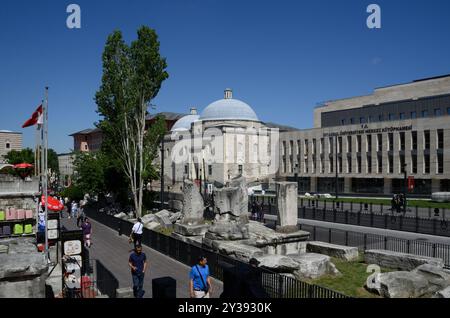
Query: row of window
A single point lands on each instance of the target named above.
(426, 139)
(391, 116)
(186, 170)
(412, 167)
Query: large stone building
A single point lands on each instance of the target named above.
(88, 140)
(225, 141)
(376, 135)
(9, 141)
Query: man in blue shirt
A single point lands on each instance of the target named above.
(138, 265)
(200, 282)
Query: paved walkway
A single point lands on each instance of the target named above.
(113, 251)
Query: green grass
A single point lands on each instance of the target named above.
(411, 203)
(352, 280)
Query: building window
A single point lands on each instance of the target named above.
(343, 122)
(305, 148)
(322, 166)
(437, 112)
(186, 169)
(370, 119)
(240, 169)
(283, 150)
(358, 164)
(426, 162)
(380, 117)
(314, 146)
(369, 143)
(448, 110)
(210, 170)
(440, 139)
(413, 115)
(305, 167)
(391, 164)
(8, 145)
(426, 139)
(349, 143)
(339, 144)
(358, 143)
(414, 140)
(414, 163)
(314, 165)
(362, 120)
(330, 145)
(298, 147)
(390, 142)
(380, 164)
(440, 163)
(402, 116)
(379, 142)
(352, 121)
(321, 145)
(369, 164)
(291, 147)
(349, 165)
(391, 117)
(401, 163)
(340, 165)
(331, 166)
(424, 113)
(402, 140)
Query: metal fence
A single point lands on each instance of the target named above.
(275, 284)
(106, 282)
(366, 241)
(397, 222)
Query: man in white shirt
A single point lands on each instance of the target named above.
(136, 233)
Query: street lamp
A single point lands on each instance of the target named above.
(162, 173)
(404, 186)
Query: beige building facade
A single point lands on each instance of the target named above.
(9, 141)
(371, 138)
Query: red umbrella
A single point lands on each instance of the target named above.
(23, 166)
(53, 203)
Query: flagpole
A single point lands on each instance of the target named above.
(45, 168)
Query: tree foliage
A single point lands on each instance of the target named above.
(27, 156)
(132, 77)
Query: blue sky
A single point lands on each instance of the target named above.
(281, 57)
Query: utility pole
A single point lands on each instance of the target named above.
(162, 173)
(336, 163)
(404, 187)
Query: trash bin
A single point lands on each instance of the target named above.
(164, 288)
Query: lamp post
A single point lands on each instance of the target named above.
(336, 163)
(162, 173)
(404, 186)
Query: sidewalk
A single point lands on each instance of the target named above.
(113, 251)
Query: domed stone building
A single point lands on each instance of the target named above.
(225, 141)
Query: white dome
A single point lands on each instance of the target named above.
(229, 109)
(184, 123)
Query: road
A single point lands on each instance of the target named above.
(372, 230)
(113, 251)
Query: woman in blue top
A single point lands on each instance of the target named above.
(200, 282)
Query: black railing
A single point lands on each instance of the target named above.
(391, 221)
(366, 241)
(276, 285)
(106, 282)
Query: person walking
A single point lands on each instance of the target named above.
(136, 232)
(200, 281)
(87, 232)
(74, 210)
(80, 214)
(261, 212)
(138, 264)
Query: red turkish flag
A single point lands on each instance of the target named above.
(36, 118)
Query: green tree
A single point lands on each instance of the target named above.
(23, 156)
(132, 77)
(89, 174)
